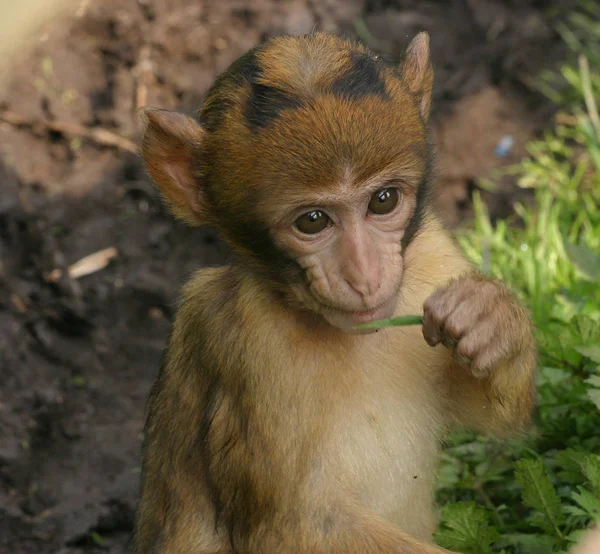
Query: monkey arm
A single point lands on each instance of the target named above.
(489, 368)
(492, 358)
(499, 404)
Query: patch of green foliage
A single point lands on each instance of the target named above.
(535, 495)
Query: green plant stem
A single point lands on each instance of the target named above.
(478, 487)
(400, 321)
(588, 94)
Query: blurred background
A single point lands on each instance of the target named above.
(91, 263)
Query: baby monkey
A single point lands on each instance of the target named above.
(273, 426)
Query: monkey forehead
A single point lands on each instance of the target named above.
(314, 147)
(332, 135)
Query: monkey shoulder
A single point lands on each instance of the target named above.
(202, 337)
(432, 259)
(207, 306)
(221, 313)
(208, 290)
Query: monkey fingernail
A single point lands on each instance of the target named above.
(431, 335)
(448, 341)
(461, 359)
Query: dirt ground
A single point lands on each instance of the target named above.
(77, 356)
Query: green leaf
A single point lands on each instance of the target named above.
(400, 321)
(585, 259)
(465, 527)
(551, 375)
(96, 538)
(571, 461)
(531, 543)
(591, 470)
(588, 329)
(539, 494)
(591, 352)
(448, 472)
(577, 516)
(594, 396)
(589, 501)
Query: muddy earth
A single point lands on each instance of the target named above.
(78, 355)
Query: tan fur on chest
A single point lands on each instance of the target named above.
(383, 446)
(372, 416)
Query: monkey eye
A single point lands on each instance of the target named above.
(313, 222)
(384, 201)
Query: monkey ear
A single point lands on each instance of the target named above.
(417, 72)
(171, 145)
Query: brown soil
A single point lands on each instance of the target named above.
(77, 356)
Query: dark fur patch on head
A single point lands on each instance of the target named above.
(361, 79)
(245, 69)
(266, 103)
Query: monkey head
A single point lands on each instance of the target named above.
(310, 156)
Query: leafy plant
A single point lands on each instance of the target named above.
(536, 494)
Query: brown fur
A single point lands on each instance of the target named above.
(270, 428)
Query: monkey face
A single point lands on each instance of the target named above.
(311, 158)
(326, 200)
(348, 244)
(330, 197)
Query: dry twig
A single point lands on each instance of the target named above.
(97, 135)
(145, 78)
(87, 265)
(18, 303)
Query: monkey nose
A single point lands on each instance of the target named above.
(366, 286)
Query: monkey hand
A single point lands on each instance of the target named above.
(480, 320)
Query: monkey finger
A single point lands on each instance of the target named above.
(447, 339)
(431, 332)
(484, 363)
(465, 317)
(433, 318)
(444, 301)
(489, 357)
(460, 359)
(499, 351)
(478, 340)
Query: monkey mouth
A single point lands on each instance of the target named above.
(380, 312)
(367, 315)
(349, 318)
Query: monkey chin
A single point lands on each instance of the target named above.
(347, 320)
